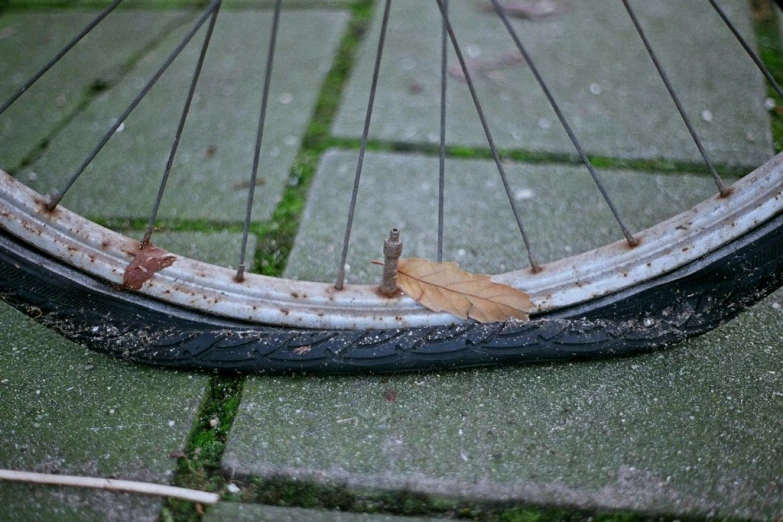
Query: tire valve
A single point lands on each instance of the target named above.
(392, 249)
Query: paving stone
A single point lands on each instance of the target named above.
(169, 4)
(23, 502)
(71, 411)
(218, 248)
(691, 430)
(211, 173)
(562, 209)
(257, 513)
(28, 40)
(597, 69)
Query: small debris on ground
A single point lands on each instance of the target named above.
(7, 32)
(487, 66)
(530, 9)
(241, 185)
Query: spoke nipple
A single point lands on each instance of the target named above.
(534, 266)
(240, 273)
(392, 250)
(52, 203)
(145, 241)
(632, 241)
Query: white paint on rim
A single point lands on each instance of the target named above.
(192, 284)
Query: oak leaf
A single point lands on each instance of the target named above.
(443, 287)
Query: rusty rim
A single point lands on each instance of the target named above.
(192, 284)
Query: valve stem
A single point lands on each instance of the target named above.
(392, 249)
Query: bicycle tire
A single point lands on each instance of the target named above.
(167, 323)
(687, 302)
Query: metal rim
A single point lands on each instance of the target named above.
(213, 290)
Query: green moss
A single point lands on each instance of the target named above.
(535, 157)
(771, 53)
(287, 492)
(197, 467)
(96, 88)
(276, 238)
(284, 492)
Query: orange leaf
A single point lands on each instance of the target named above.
(443, 287)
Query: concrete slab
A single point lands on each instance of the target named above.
(257, 513)
(169, 4)
(68, 410)
(561, 207)
(694, 430)
(210, 177)
(23, 502)
(597, 69)
(29, 39)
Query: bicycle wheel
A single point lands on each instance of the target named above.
(679, 278)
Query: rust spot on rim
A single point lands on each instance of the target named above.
(728, 192)
(43, 205)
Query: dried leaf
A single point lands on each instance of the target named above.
(444, 287)
(144, 266)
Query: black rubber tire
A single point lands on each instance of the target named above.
(692, 300)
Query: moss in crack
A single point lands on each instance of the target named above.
(276, 238)
(288, 492)
(765, 18)
(127, 225)
(285, 492)
(659, 166)
(198, 467)
(98, 86)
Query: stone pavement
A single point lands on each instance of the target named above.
(693, 431)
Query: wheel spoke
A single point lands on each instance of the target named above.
(724, 191)
(259, 137)
(76, 39)
(748, 49)
(490, 141)
(196, 74)
(56, 198)
(560, 116)
(444, 42)
(368, 116)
